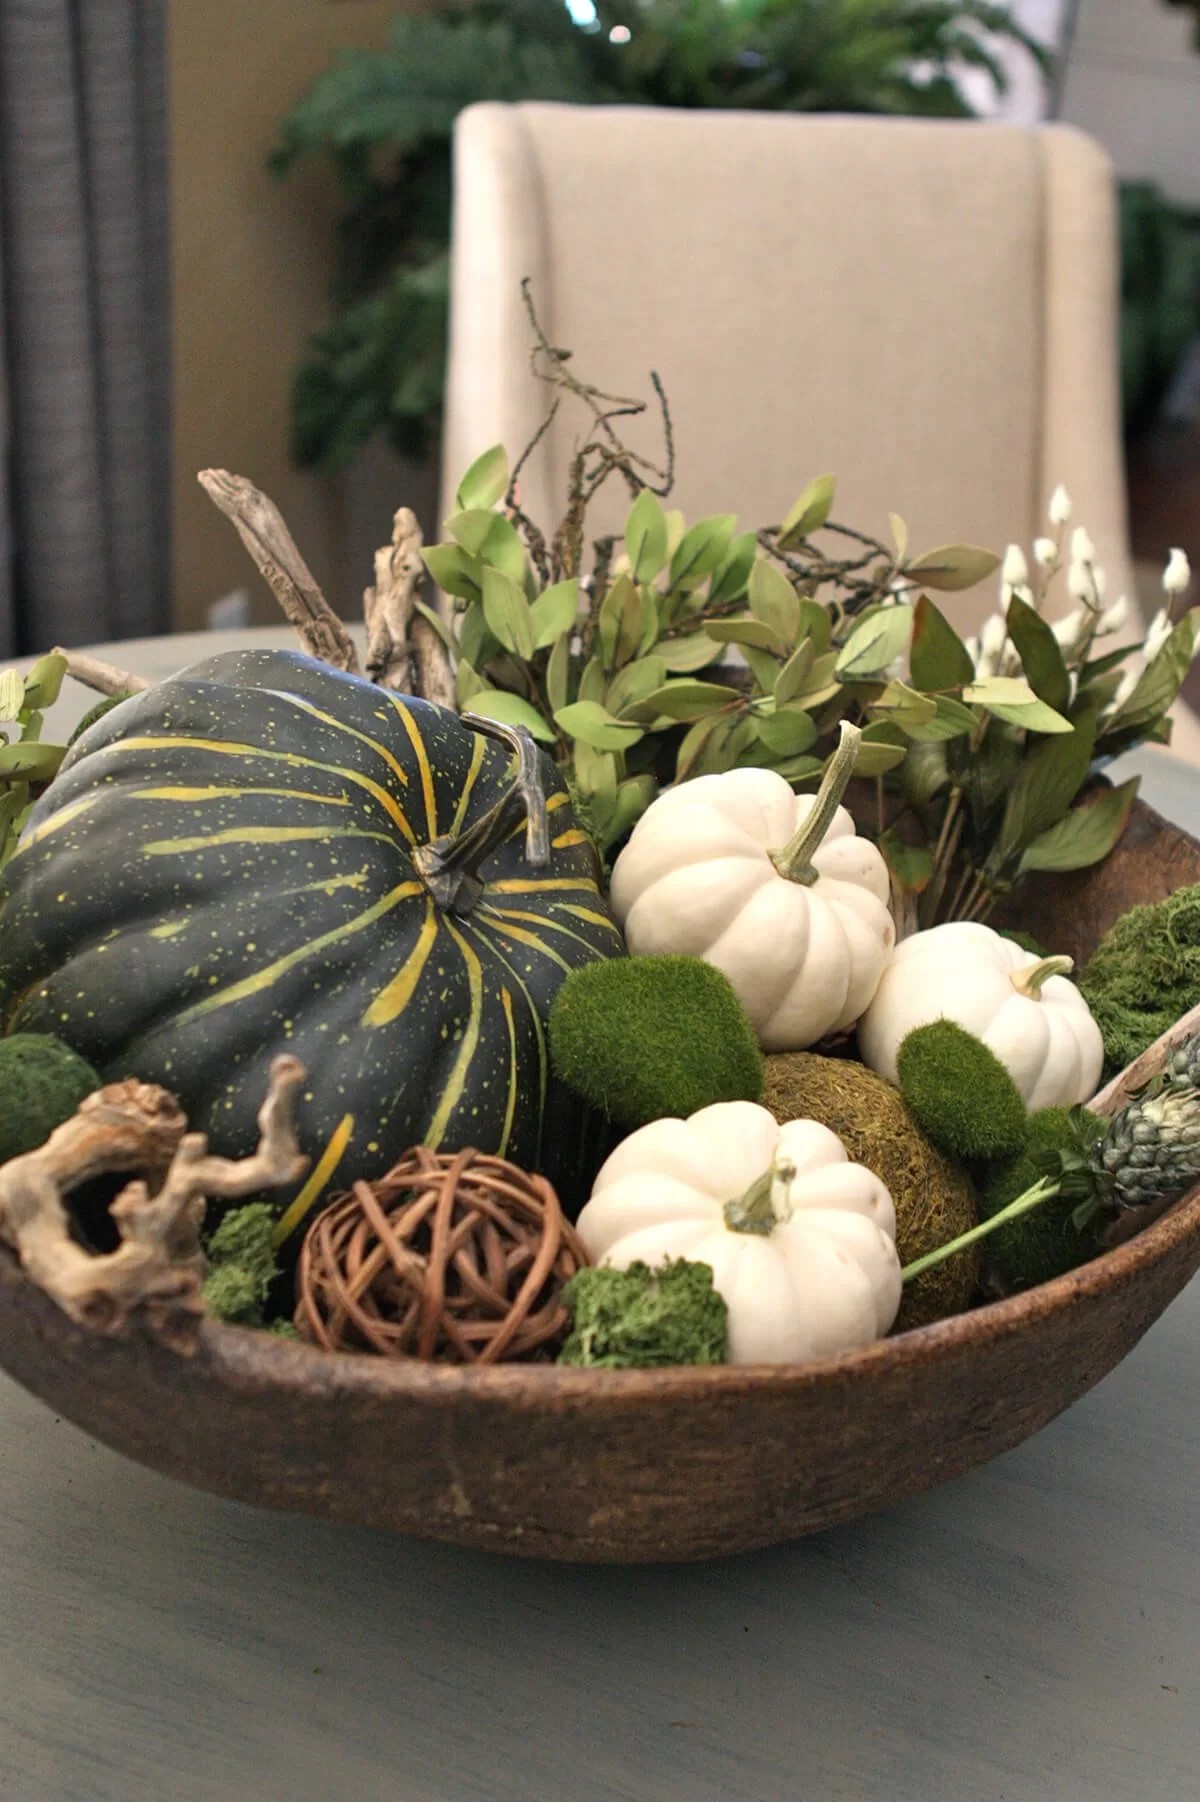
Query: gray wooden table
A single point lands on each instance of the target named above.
(1029, 1634)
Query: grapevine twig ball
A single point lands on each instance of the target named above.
(459, 1259)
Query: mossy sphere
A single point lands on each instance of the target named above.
(42, 1082)
(933, 1197)
(1044, 1243)
(648, 1038)
(959, 1093)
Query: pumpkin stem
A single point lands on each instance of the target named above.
(449, 866)
(1029, 980)
(795, 860)
(1042, 1191)
(764, 1203)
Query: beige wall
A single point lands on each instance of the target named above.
(1134, 82)
(250, 266)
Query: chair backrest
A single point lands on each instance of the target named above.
(927, 309)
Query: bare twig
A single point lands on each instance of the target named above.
(535, 538)
(262, 530)
(549, 364)
(105, 678)
(153, 1278)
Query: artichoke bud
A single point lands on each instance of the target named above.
(1150, 1154)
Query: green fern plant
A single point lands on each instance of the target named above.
(385, 121)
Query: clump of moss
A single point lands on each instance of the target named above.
(1044, 1243)
(42, 1082)
(933, 1197)
(643, 1318)
(959, 1092)
(643, 1038)
(242, 1266)
(1144, 974)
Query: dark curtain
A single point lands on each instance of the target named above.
(84, 377)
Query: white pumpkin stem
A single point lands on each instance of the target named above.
(1029, 980)
(795, 860)
(765, 1203)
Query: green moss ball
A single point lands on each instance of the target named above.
(1045, 1242)
(645, 1038)
(1144, 974)
(42, 1082)
(959, 1093)
(933, 1198)
(641, 1318)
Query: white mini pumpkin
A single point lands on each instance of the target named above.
(772, 888)
(1021, 1006)
(800, 1241)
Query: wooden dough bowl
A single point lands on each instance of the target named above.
(627, 1466)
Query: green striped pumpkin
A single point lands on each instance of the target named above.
(223, 870)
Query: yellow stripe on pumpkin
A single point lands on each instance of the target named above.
(506, 930)
(322, 1171)
(521, 885)
(221, 748)
(510, 1110)
(468, 787)
(258, 835)
(364, 738)
(395, 996)
(63, 817)
(224, 794)
(575, 836)
(457, 1081)
(264, 978)
(590, 916)
(542, 920)
(535, 1018)
(422, 757)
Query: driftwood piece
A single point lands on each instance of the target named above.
(389, 604)
(105, 678)
(262, 530)
(153, 1278)
(404, 651)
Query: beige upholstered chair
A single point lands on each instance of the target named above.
(927, 309)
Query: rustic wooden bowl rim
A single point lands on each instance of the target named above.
(265, 1360)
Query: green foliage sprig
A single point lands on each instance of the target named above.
(384, 120)
(677, 650)
(26, 764)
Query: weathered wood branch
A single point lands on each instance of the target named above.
(153, 1279)
(105, 678)
(262, 530)
(404, 651)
